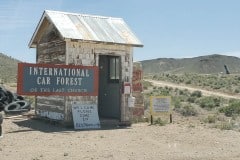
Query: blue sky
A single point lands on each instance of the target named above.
(167, 28)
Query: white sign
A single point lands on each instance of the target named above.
(85, 116)
(161, 104)
(127, 89)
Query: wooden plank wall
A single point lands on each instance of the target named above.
(52, 107)
(52, 52)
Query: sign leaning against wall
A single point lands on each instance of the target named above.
(85, 116)
(50, 79)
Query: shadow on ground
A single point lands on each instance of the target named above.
(28, 125)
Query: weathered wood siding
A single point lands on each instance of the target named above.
(52, 50)
(51, 107)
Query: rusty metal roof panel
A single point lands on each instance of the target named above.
(90, 28)
(96, 29)
(65, 26)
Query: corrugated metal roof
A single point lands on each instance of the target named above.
(89, 28)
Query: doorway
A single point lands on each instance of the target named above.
(109, 87)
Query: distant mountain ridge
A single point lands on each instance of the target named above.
(209, 64)
(8, 68)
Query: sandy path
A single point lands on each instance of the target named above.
(204, 92)
(37, 140)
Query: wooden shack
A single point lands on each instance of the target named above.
(87, 40)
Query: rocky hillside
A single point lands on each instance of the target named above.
(202, 65)
(8, 69)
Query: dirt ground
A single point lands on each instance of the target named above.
(31, 139)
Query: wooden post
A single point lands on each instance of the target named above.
(151, 119)
(170, 118)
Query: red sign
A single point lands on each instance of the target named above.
(50, 79)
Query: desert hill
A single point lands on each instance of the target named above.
(210, 64)
(8, 68)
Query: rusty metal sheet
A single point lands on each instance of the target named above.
(89, 28)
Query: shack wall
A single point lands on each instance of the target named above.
(88, 54)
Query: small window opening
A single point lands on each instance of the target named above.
(114, 69)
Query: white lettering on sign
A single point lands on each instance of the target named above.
(43, 80)
(85, 116)
(52, 79)
(59, 72)
(65, 76)
(69, 81)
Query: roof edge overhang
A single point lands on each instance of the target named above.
(103, 42)
(31, 43)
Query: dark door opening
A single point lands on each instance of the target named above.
(109, 87)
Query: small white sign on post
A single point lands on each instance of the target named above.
(160, 104)
(85, 116)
